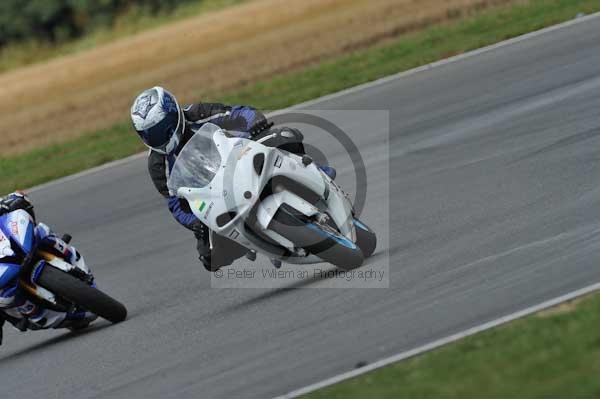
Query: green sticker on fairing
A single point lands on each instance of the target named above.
(202, 205)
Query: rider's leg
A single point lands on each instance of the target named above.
(29, 316)
(203, 247)
(76, 320)
(42, 318)
(223, 252)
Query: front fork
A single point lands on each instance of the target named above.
(33, 267)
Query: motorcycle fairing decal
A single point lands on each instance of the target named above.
(18, 226)
(37, 270)
(357, 223)
(27, 243)
(7, 273)
(5, 247)
(244, 152)
(278, 161)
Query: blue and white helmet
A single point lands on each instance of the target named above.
(158, 119)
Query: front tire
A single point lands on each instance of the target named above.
(328, 245)
(76, 291)
(365, 238)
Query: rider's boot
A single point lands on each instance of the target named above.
(77, 320)
(204, 251)
(208, 263)
(223, 253)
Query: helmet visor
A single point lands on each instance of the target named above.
(158, 136)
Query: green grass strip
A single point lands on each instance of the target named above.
(55, 161)
(400, 54)
(556, 355)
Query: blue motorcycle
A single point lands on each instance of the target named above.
(48, 280)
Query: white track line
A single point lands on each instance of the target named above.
(342, 93)
(438, 343)
(87, 172)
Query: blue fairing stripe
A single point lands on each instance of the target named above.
(8, 273)
(3, 220)
(360, 225)
(28, 242)
(8, 293)
(37, 271)
(340, 239)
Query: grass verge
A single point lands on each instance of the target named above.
(409, 51)
(55, 161)
(554, 354)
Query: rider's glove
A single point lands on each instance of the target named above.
(200, 231)
(260, 127)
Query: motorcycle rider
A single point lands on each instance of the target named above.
(14, 305)
(165, 128)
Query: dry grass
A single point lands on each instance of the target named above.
(68, 96)
(565, 307)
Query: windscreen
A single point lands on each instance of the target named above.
(198, 161)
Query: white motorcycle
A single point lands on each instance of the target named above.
(268, 200)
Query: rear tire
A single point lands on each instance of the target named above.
(335, 249)
(76, 291)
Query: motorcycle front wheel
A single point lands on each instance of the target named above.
(76, 291)
(323, 241)
(365, 238)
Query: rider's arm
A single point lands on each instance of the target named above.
(157, 167)
(205, 112)
(242, 118)
(238, 117)
(184, 215)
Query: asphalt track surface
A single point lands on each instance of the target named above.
(494, 205)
